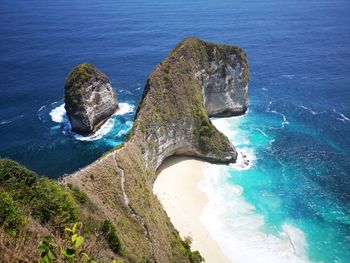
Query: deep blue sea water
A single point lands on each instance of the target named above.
(297, 130)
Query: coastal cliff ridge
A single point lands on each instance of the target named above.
(196, 80)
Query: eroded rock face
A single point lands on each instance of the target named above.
(195, 80)
(89, 98)
(225, 81)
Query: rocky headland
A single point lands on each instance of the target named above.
(172, 119)
(113, 197)
(89, 98)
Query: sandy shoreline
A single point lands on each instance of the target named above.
(177, 188)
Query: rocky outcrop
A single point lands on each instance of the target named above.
(225, 80)
(89, 98)
(172, 119)
(192, 82)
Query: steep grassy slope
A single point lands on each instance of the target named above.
(32, 207)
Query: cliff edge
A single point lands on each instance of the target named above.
(196, 80)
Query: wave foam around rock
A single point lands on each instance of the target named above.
(59, 115)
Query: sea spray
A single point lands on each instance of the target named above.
(59, 115)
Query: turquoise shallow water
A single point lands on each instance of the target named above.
(293, 202)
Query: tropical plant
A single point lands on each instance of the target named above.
(72, 250)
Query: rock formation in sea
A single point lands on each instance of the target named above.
(89, 98)
(196, 80)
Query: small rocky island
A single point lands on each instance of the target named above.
(89, 98)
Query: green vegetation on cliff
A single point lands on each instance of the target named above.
(109, 232)
(11, 217)
(36, 211)
(80, 74)
(76, 82)
(42, 198)
(32, 207)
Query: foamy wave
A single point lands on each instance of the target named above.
(284, 122)
(124, 108)
(103, 130)
(232, 221)
(245, 159)
(262, 132)
(245, 155)
(59, 115)
(308, 109)
(238, 228)
(125, 131)
(230, 127)
(11, 120)
(5, 122)
(271, 140)
(343, 117)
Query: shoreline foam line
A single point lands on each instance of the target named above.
(235, 223)
(177, 189)
(238, 227)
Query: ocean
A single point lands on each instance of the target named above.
(287, 199)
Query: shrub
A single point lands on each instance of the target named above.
(205, 132)
(71, 251)
(108, 231)
(79, 195)
(17, 180)
(51, 200)
(44, 198)
(11, 217)
(185, 249)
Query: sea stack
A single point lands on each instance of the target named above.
(89, 98)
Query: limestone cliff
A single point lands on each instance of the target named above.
(172, 118)
(89, 98)
(224, 78)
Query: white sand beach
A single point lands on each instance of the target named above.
(177, 188)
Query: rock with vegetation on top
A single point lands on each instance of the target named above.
(196, 80)
(89, 98)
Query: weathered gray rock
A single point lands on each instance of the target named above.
(89, 99)
(197, 80)
(225, 81)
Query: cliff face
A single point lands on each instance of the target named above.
(172, 118)
(225, 81)
(89, 98)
